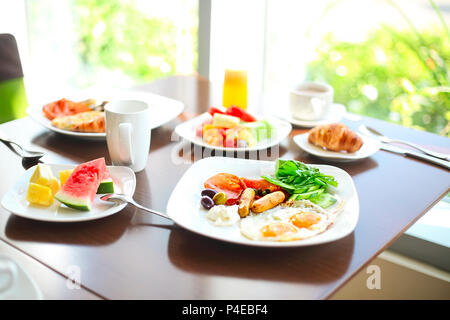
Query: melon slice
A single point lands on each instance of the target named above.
(81, 187)
(106, 185)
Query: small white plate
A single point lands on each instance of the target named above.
(185, 209)
(186, 130)
(369, 147)
(337, 111)
(23, 288)
(162, 109)
(15, 199)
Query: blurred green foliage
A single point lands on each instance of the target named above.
(399, 76)
(117, 35)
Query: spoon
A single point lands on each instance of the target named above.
(116, 197)
(26, 155)
(385, 139)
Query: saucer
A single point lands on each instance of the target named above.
(337, 111)
(24, 287)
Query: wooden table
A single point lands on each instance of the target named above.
(132, 255)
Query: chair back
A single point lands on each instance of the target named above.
(13, 100)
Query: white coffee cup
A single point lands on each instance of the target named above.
(128, 133)
(8, 275)
(311, 100)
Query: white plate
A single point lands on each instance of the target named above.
(24, 287)
(15, 199)
(185, 209)
(162, 109)
(337, 111)
(186, 130)
(369, 147)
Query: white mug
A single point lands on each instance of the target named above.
(8, 275)
(311, 100)
(128, 133)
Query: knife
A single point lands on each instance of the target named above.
(416, 155)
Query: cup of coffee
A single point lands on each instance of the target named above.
(128, 133)
(310, 100)
(8, 275)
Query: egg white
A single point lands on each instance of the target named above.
(251, 226)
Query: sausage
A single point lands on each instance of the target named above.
(268, 201)
(246, 201)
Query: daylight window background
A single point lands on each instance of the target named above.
(387, 59)
(114, 43)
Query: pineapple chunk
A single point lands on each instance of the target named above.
(246, 135)
(39, 194)
(225, 121)
(64, 175)
(43, 175)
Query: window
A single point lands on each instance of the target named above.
(117, 43)
(386, 59)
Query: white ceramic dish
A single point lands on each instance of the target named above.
(185, 209)
(162, 109)
(337, 111)
(15, 199)
(369, 147)
(23, 288)
(186, 130)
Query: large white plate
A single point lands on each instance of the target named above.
(163, 109)
(15, 199)
(185, 209)
(369, 147)
(186, 130)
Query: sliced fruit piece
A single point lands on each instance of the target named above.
(106, 186)
(261, 130)
(225, 121)
(81, 187)
(39, 194)
(64, 175)
(43, 175)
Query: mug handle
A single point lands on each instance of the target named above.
(125, 152)
(10, 268)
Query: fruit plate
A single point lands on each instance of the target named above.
(162, 109)
(185, 209)
(369, 147)
(15, 199)
(186, 130)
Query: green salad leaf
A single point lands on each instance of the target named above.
(303, 182)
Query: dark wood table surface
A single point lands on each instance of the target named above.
(133, 255)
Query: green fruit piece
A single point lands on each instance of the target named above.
(106, 186)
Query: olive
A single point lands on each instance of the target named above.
(220, 198)
(207, 202)
(209, 193)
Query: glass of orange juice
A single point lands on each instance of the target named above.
(235, 88)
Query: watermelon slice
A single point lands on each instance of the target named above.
(81, 187)
(106, 185)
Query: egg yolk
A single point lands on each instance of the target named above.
(276, 229)
(305, 219)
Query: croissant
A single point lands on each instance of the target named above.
(335, 137)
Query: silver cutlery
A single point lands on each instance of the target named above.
(416, 155)
(26, 155)
(372, 132)
(121, 198)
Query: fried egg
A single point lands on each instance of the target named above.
(294, 220)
